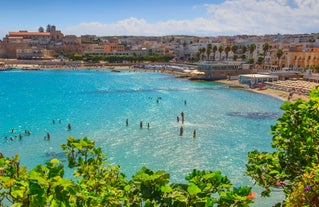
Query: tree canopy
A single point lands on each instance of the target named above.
(96, 182)
(295, 161)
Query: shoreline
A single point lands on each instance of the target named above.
(282, 95)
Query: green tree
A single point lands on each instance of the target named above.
(243, 57)
(214, 51)
(252, 48)
(260, 60)
(209, 51)
(295, 156)
(244, 49)
(97, 182)
(305, 191)
(265, 50)
(279, 54)
(220, 50)
(197, 54)
(227, 50)
(251, 60)
(234, 49)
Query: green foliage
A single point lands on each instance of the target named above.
(260, 60)
(305, 192)
(251, 60)
(296, 144)
(243, 57)
(119, 58)
(99, 183)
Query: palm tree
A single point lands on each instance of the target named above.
(214, 51)
(260, 60)
(203, 50)
(265, 49)
(234, 48)
(244, 49)
(252, 48)
(220, 50)
(209, 50)
(227, 50)
(279, 54)
(197, 55)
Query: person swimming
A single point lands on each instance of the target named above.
(181, 131)
(182, 115)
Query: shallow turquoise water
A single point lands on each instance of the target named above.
(229, 122)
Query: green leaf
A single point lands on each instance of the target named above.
(166, 189)
(55, 161)
(193, 189)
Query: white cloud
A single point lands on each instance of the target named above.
(231, 17)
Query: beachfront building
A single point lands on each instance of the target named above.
(293, 56)
(222, 70)
(303, 59)
(256, 80)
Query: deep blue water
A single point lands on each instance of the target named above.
(229, 122)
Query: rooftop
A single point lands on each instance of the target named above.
(22, 33)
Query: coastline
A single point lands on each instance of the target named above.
(282, 95)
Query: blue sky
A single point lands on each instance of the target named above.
(162, 17)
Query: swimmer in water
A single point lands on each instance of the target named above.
(181, 131)
(141, 124)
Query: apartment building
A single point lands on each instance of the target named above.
(24, 42)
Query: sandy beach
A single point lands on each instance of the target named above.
(283, 95)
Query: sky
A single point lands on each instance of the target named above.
(162, 17)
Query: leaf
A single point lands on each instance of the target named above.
(193, 189)
(55, 161)
(302, 106)
(166, 189)
(17, 205)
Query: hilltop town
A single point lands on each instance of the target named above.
(269, 52)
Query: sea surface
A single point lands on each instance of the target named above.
(96, 103)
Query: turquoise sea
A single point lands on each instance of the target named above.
(229, 122)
